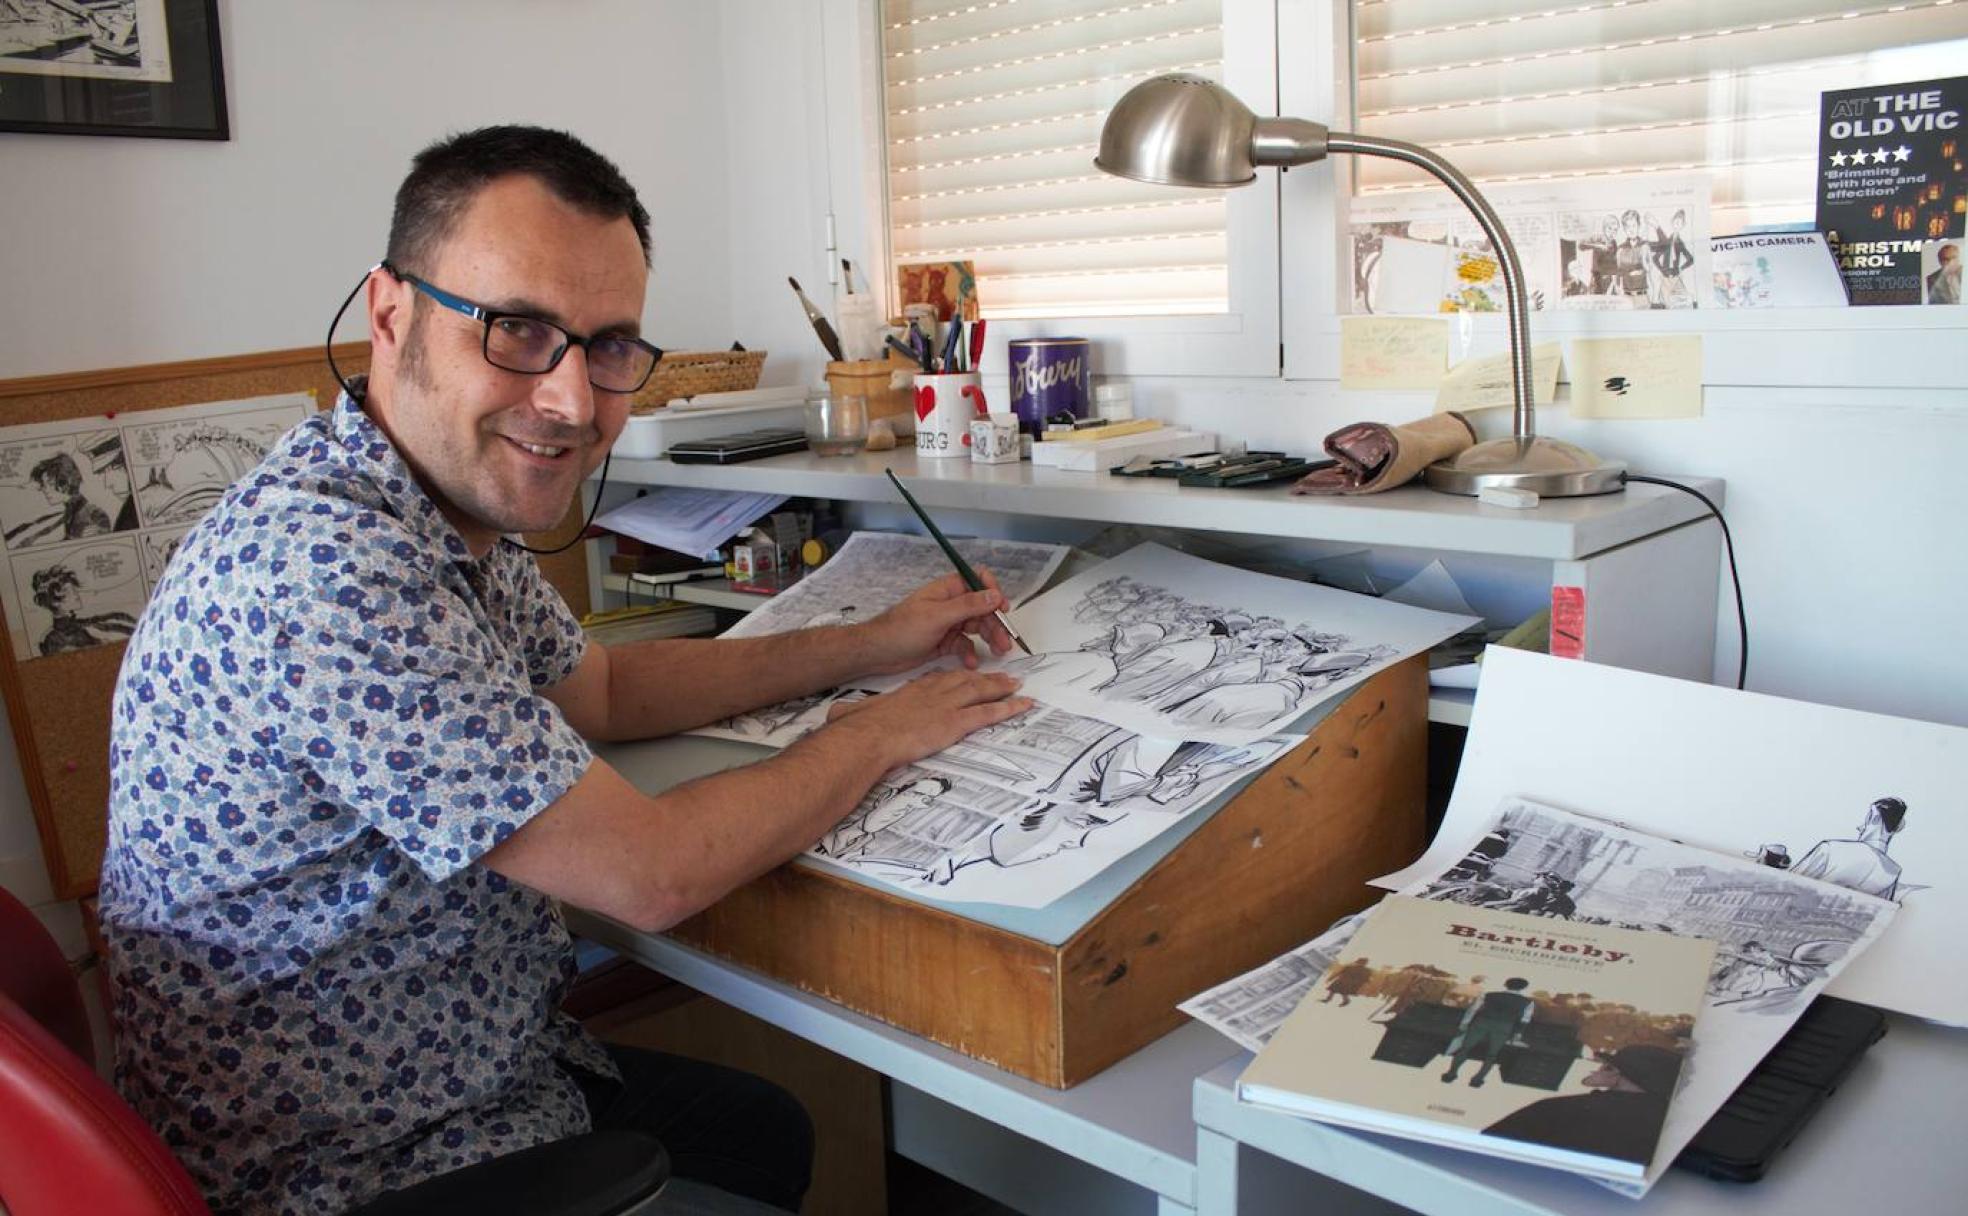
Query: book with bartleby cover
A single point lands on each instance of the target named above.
(1548, 1041)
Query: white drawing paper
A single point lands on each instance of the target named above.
(687, 520)
(1789, 783)
(874, 571)
(959, 840)
(1172, 646)
(92, 508)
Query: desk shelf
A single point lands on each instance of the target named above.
(1413, 517)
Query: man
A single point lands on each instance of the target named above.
(1944, 284)
(349, 764)
(1489, 1026)
(58, 589)
(1621, 1115)
(1548, 895)
(1861, 862)
(60, 482)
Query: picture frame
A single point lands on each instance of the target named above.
(151, 68)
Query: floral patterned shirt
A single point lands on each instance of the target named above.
(327, 714)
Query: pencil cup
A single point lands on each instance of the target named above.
(946, 405)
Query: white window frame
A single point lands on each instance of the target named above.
(1874, 347)
(1242, 342)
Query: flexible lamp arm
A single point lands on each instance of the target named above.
(1287, 141)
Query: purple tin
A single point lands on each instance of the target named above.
(1050, 376)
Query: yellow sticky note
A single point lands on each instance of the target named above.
(1392, 352)
(1637, 377)
(1481, 384)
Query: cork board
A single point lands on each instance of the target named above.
(58, 705)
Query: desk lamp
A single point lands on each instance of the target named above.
(1180, 130)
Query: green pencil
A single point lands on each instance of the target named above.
(964, 571)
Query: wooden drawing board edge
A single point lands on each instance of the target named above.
(1028, 1006)
(72, 831)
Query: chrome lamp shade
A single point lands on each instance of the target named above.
(1180, 130)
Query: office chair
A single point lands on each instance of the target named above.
(69, 1143)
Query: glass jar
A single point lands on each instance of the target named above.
(836, 423)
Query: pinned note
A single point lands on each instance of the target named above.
(1408, 277)
(1478, 384)
(1637, 377)
(1392, 352)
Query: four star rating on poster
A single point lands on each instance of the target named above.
(1878, 156)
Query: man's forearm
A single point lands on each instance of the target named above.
(664, 686)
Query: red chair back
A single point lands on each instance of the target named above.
(68, 1142)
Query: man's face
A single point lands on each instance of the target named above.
(1948, 256)
(502, 451)
(50, 490)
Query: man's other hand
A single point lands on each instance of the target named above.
(925, 715)
(938, 620)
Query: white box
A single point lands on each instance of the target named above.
(1100, 455)
(648, 436)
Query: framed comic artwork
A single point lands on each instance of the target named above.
(112, 67)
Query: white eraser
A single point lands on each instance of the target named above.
(1505, 496)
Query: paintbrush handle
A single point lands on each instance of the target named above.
(968, 575)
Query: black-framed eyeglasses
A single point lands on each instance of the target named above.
(516, 342)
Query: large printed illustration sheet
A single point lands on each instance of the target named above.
(91, 509)
(874, 571)
(1781, 939)
(1863, 800)
(1172, 646)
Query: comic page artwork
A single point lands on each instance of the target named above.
(1639, 243)
(91, 509)
(874, 571)
(1150, 642)
(961, 840)
(75, 596)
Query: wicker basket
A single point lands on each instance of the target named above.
(688, 373)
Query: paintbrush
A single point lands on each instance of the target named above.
(820, 323)
(964, 571)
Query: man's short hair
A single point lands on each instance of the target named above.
(1891, 812)
(1516, 983)
(1653, 1069)
(49, 582)
(445, 178)
(58, 471)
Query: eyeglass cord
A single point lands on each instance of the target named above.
(328, 348)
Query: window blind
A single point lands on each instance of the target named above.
(1513, 90)
(993, 111)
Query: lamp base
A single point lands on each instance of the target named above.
(1549, 468)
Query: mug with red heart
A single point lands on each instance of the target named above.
(946, 405)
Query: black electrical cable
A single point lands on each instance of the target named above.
(1742, 617)
(328, 348)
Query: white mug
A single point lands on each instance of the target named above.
(946, 405)
(994, 440)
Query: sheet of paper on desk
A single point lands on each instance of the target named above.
(874, 571)
(1658, 377)
(1172, 646)
(1050, 753)
(1485, 383)
(960, 840)
(1872, 802)
(687, 520)
(1392, 352)
(1782, 938)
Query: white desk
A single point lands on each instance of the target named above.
(1132, 1121)
(1886, 1142)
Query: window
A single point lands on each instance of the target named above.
(993, 114)
(989, 117)
(1523, 90)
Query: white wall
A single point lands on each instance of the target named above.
(130, 251)
(124, 251)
